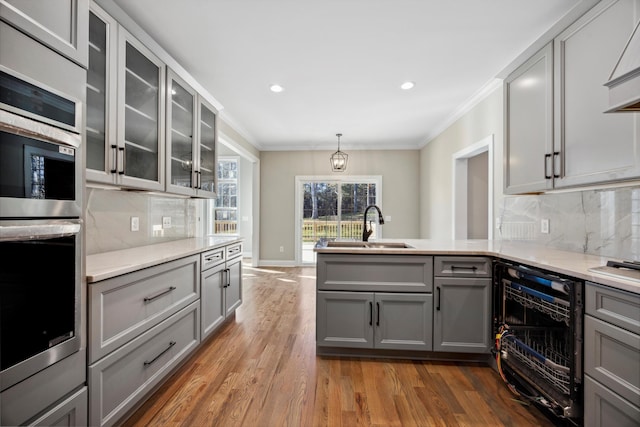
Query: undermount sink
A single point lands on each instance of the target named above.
(372, 245)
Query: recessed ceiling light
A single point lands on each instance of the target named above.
(276, 88)
(407, 85)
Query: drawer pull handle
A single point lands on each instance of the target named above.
(462, 267)
(213, 257)
(149, 299)
(149, 362)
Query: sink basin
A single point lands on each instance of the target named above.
(372, 245)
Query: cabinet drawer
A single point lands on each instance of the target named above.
(234, 250)
(462, 266)
(603, 408)
(120, 380)
(612, 357)
(124, 307)
(614, 306)
(212, 258)
(383, 273)
(72, 411)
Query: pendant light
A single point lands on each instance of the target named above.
(339, 159)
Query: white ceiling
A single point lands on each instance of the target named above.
(341, 62)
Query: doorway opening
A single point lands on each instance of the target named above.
(332, 208)
(473, 191)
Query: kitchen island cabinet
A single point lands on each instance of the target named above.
(462, 304)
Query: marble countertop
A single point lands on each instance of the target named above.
(106, 265)
(564, 262)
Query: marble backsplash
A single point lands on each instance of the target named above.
(109, 212)
(598, 222)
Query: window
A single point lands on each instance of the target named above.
(225, 212)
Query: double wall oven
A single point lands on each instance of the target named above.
(41, 231)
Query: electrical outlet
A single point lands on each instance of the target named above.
(135, 223)
(387, 218)
(281, 248)
(544, 226)
(166, 222)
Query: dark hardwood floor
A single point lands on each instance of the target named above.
(261, 369)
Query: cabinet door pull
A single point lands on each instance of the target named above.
(151, 298)
(199, 180)
(228, 277)
(555, 155)
(438, 290)
(149, 362)
(370, 313)
(464, 267)
(378, 314)
(114, 160)
(121, 162)
(546, 169)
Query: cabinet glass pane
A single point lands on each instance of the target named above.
(207, 149)
(141, 116)
(96, 88)
(181, 136)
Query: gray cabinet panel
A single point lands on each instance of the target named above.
(71, 412)
(462, 266)
(603, 408)
(60, 24)
(595, 147)
(614, 306)
(462, 315)
(212, 258)
(403, 321)
(382, 273)
(528, 123)
(344, 319)
(612, 357)
(118, 381)
(212, 299)
(123, 307)
(233, 291)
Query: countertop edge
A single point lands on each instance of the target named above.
(106, 265)
(567, 263)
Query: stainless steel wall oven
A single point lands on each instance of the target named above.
(538, 348)
(41, 235)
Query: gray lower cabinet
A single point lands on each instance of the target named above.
(462, 315)
(221, 282)
(611, 357)
(118, 381)
(462, 304)
(397, 321)
(71, 412)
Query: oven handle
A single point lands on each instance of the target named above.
(15, 124)
(50, 230)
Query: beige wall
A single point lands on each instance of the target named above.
(436, 164)
(400, 193)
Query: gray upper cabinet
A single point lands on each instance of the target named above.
(207, 145)
(181, 136)
(595, 147)
(59, 24)
(191, 141)
(125, 108)
(556, 132)
(528, 121)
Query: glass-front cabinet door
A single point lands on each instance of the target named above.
(101, 95)
(141, 77)
(181, 136)
(125, 108)
(208, 147)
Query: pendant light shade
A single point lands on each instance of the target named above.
(339, 159)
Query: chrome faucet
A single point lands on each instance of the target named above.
(366, 233)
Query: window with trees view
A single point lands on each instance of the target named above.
(335, 209)
(225, 211)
